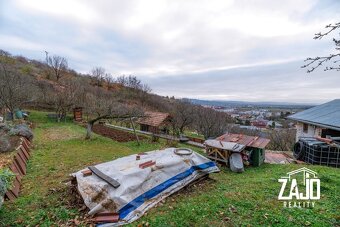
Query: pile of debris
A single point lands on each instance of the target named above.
(237, 150)
(121, 191)
(10, 134)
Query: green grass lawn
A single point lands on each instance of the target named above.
(228, 199)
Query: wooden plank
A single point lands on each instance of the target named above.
(106, 217)
(19, 171)
(26, 146)
(104, 177)
(15, 170)
(218, 159)
(9, 195)
(18, 167)
(16, 187)
(22, 156)
(24, 152)
(27, 142)
(21, 163)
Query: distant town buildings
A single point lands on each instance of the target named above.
(257, 118)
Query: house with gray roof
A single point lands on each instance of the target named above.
(322, 121)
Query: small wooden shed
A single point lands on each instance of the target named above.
(155, 122)
(255, 145)
(78, 114)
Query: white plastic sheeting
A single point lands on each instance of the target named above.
(140, 189)
(230, 146)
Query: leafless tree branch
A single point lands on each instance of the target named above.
(316, 62)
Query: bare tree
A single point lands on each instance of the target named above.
(133, 88)
(211, 123)
(15, 89)
(281, 139)
(143, 94)
(333, 58)
(57, 64)
(98, 74)
(64, 97)
(108, 79)
(183, 115)
(130, 82)
(110, 109)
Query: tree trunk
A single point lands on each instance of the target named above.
(181, 129)
(89, 130)
(134, 131)
(90, 126)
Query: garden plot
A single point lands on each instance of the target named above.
(115, 134)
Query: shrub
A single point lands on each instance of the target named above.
(171, 143)
(6, 179)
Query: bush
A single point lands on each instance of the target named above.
(6, 179)
(171, 143)
(154, 139)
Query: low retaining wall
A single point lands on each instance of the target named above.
(18, 167)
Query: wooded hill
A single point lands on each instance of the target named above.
(52, 85)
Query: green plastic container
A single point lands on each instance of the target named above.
(258, 156)
(18, 114)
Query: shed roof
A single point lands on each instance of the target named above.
(153, 118)
(326, 115)
(249, 141)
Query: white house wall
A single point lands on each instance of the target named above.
(312, 131)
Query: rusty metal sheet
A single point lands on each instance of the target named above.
(250, 141)
(277, 158)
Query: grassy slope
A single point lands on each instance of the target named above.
(229, 199)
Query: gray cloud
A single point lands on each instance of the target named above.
(178, 46)
(280, 82)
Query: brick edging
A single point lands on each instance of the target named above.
(18, 167)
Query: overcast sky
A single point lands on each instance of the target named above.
(207, 49)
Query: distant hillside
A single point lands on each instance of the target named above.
(38, 80)
(233, 104)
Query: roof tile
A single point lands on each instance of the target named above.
(153, 118)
